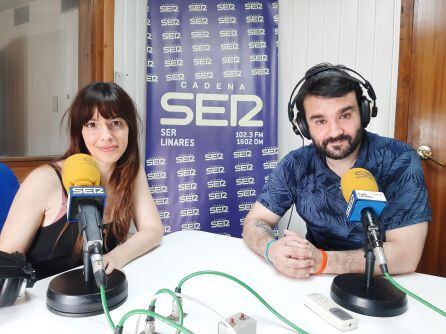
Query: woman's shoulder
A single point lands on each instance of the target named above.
(43, 178)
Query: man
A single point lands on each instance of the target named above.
(333, 112)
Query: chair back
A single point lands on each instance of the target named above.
(8, 188)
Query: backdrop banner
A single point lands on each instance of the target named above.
(211, 137)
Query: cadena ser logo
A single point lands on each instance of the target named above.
(184, 172)
(156, 175)
(200, 34)
(220, 223)
(185, 158)
(216, 195)
(242, 154)
(200, 20)
(158, 189)
(161, 200)
(188, 198)
(169, 8)
(228, 33)
(155, 161)
(255, 19)
(215, 170)
(198, 7)
(171, 35)
(178, 112)
(225, 6)
(87, 191)
(190, 212)
(246, 193)
(256, 32)
(218, 183)
(202, 61)
(243, 167)
(253, 6)
(227, 20)
(218, 209)
(245, 206)
(243, 181)
(191, 226)
(213, 156)
(187, 186)
(170, 22)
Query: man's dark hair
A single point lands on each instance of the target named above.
(332, 82)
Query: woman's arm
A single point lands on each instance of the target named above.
(32, 201)
(148, 225)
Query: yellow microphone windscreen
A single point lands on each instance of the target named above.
(357, 179)
(80, 170)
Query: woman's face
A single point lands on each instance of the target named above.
(106, 139)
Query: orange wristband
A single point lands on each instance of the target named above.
(323, 263)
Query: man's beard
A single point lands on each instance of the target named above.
(353, 143)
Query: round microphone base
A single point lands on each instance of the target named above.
(69, 295)
(380, 300)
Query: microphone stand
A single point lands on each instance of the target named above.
(369, 267)
(366, 293)
(88, 268)
(75, 293)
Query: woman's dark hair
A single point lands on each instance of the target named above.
(110, 101)
(327, 83)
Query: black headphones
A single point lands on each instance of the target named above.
(15, 275)
(367, 105)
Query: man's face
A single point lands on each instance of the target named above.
(334, 124)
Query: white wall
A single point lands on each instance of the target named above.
(361, 34)
(49, 48)
(130, 56)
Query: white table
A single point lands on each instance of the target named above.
(185, 252)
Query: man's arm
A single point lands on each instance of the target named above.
(403, 249)
(289, 255)
(257, 229)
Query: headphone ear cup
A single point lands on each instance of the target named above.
(10, 288)
(302, 125)
(365, 112)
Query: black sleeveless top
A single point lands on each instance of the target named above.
(49, 258)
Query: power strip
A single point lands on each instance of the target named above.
(241, 324)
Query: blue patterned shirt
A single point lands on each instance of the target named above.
(302, 177)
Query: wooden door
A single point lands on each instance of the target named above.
(421, 110)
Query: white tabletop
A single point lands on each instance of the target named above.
(183, 253)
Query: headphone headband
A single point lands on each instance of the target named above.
(299, 123)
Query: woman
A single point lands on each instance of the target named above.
(103, 123)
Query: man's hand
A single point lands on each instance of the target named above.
(294, 256)
(314, 254)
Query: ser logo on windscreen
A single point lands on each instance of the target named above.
(87, 190)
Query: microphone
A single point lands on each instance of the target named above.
(74, 293)
(365, 204)
(86, 200)
(365, 293)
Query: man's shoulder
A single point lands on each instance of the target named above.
(300, 156)
(388, 146)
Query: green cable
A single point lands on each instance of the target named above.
(177, 301)
(105, 307)
(421, 300)
(263, 301)
(155, 315)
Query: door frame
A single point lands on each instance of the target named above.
(404, 70)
